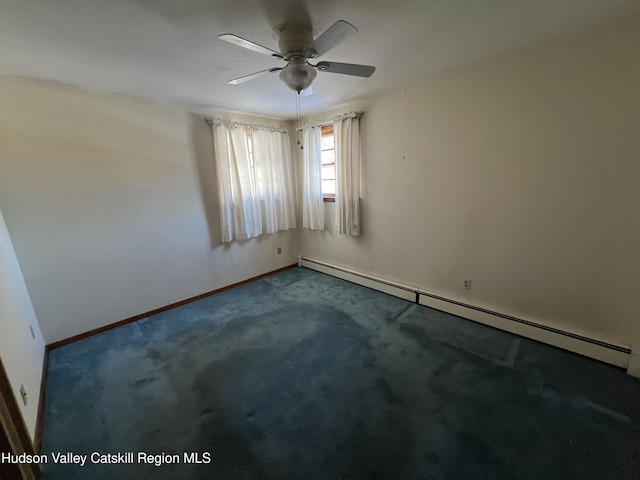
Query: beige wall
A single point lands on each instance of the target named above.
(22, 352)
(522, 173)
(112, 207)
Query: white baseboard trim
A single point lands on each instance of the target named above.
(634, 364)
(366, 280)
(618, 355)
(613, 354)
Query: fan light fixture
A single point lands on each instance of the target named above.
(298, 75)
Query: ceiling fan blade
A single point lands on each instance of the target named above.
(332, 36)
(251, 76)
(244, 43)
(346, 68)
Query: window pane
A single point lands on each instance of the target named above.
(329, 172)
(327, 142)
(328, 157)
(329, 186)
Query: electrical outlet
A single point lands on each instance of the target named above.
(279, 250)
(466, 283)
(23, 394)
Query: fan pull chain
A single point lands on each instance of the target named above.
(298, 118)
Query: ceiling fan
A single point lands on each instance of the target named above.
(297, 48)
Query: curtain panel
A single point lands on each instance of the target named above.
(254, 179)
(312, 203)
(347, 147)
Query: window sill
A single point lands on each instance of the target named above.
(329, 199)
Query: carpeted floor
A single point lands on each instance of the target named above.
(304, 376)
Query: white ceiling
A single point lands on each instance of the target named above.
(168, 49)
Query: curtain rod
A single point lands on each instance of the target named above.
(253, 126)
(329, 122)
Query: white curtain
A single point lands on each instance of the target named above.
(274, 179)
(347, 146)
(255, 191)
(312, 203)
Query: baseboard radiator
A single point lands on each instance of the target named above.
(618, 355)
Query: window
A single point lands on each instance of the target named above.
(327, 147)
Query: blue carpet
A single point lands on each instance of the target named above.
(303, 376)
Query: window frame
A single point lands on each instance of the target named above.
(327, 130)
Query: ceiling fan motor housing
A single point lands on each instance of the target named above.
(295, 42)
